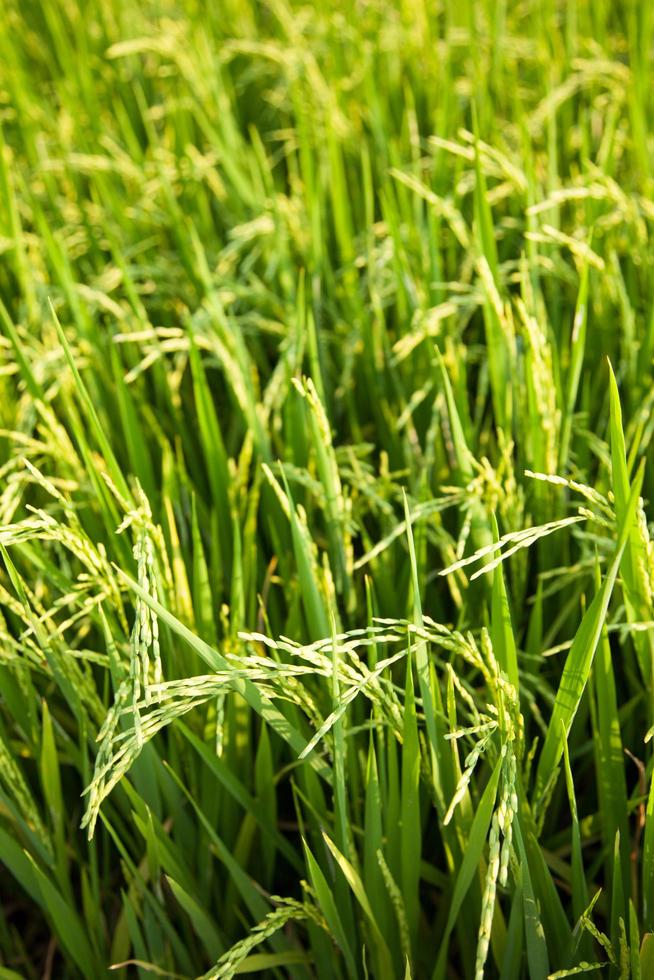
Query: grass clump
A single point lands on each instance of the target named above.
(326, 345)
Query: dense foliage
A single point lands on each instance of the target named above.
(326, 341)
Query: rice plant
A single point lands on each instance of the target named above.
(327, 580)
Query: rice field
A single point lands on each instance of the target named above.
(326, 433)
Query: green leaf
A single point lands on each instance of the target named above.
(647, 955)
(577, 347)
(329, 910)
(51, 782)
(469, 867)
(501, 631)
(580, 658)
(410, 825)
(537, 956)
(579, 890)
(228, 779)
(634, 942)
(634, 567)
(114, 468)
(610, 757)
(202, 923)
(380, 949)
(67, 924)
(260, 962)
